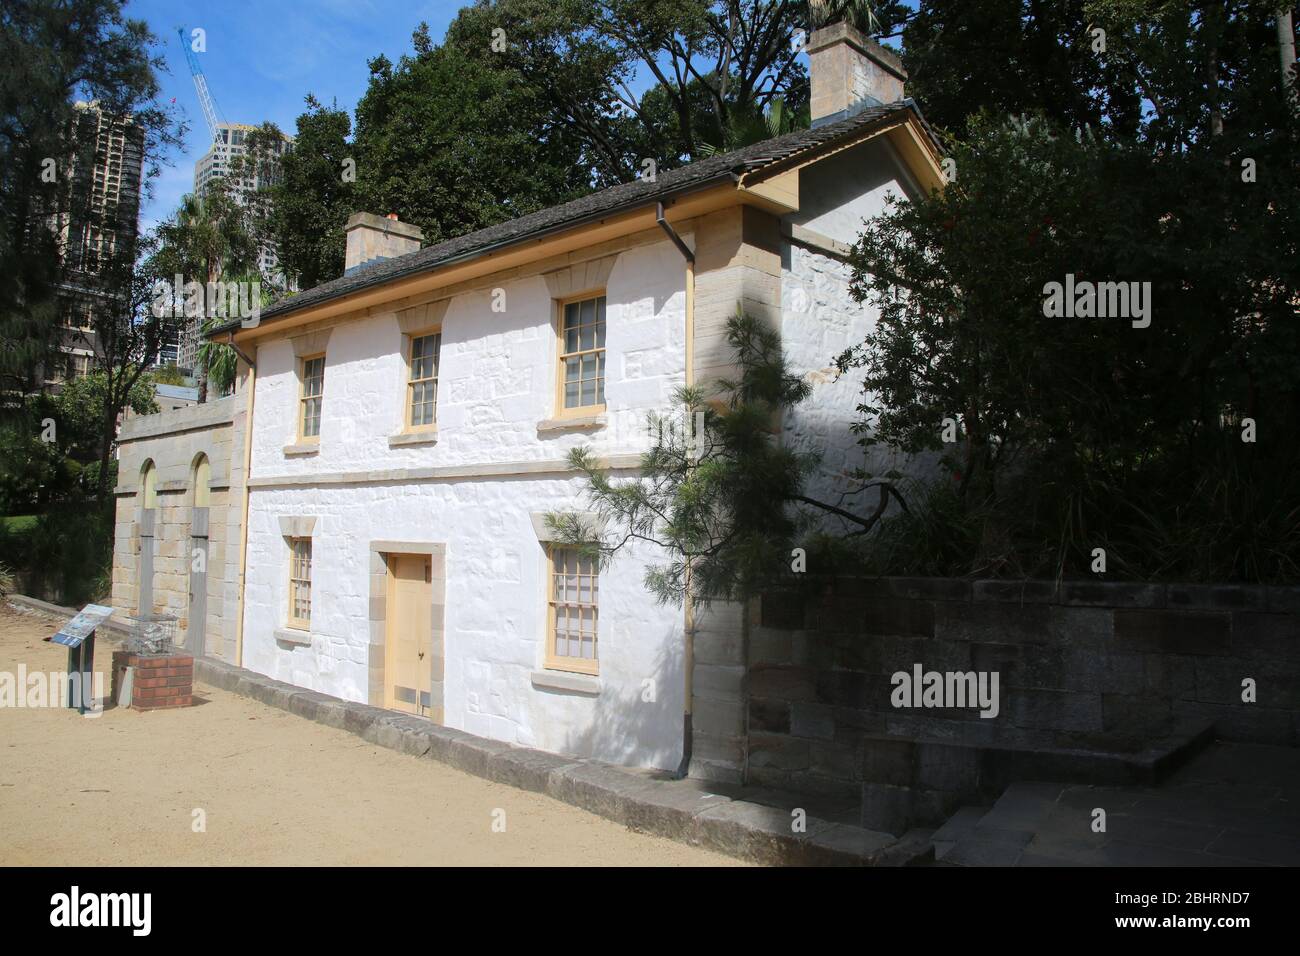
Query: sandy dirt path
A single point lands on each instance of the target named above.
(121, 789)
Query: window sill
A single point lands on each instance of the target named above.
(428, 436)
(302, 448)
(293, 635)
(563, 680)
(575, 423)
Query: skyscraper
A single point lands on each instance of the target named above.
(96, 227)
(228, 146)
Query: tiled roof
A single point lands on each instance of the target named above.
(602, 202)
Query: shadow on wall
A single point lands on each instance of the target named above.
(637, 721)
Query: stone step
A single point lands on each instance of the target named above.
(957, 827)
(1196, 820)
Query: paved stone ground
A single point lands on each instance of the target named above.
(1233, 805)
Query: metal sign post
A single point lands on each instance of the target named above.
(78, 636)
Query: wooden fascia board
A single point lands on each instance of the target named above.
(920, 154)
(904, 133)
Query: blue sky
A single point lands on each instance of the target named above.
(263, 57)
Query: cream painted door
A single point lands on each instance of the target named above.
(408, 658)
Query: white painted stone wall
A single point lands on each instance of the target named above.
(496, 378)
(820, 319)
(496, 384)
(495, 617)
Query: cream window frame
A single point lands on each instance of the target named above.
(300, 570)
(408, 387)
(564, 662)
(304, 398)
(578, 411)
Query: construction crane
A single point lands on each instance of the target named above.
(210, 112)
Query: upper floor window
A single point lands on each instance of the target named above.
(313, 389)
(422, 382)
(582, 355)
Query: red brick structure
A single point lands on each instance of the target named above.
(160, 681)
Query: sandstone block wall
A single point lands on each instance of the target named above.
(173, 442)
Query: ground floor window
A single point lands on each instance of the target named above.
(300, 582)
(573, 602)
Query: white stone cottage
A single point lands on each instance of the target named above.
(410, 422)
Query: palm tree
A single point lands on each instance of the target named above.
(208, 239)
(747, 125)
(858, 14)
(219, 362)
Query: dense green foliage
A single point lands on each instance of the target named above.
(527, 103)
(315, 196)
(1161, 155)
(451, 144)
(1082, 433)
(60, 530)
(54, 53)
(50, 448)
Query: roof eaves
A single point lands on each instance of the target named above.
(729, 166)
(290, 305)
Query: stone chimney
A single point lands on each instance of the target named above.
(850, 72)
(372, 239)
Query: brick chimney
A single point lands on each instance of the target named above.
(372, 239)
(850, 72)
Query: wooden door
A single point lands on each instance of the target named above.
(409, 654)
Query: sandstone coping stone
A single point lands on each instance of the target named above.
(530, 769)
(752, 831)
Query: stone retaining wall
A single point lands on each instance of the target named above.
(1100, 680)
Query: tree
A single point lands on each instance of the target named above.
(1013, 56)
(50, 448)
(208, 239)
(548, 48)
(869, 17)
(714, 64)
(1155, 69)
(1078, 433)
(310, 204)
(1111, 140)
(751, 126)
(55, 51)
(1286, 57)
(129, 333)
(451, 145)
(718, 492)
(219, 361)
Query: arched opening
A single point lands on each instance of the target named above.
(149, 486)
(202, 476)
